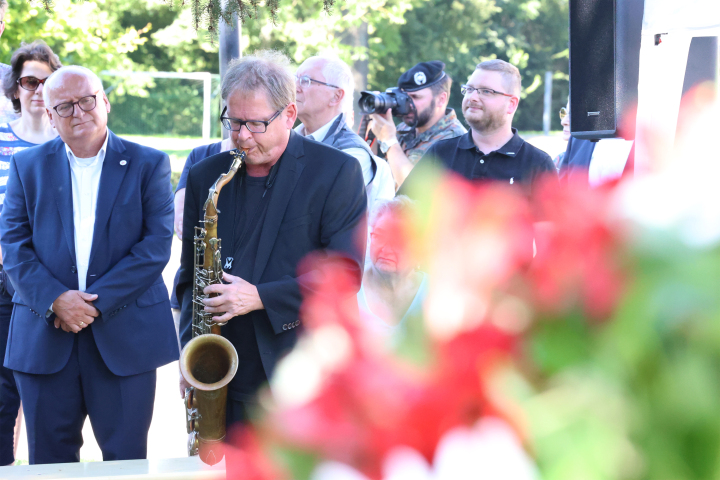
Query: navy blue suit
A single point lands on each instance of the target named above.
(317, 203)
(134, 333)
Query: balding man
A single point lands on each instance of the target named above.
(324, 88)
(492, 149)
(86, 232)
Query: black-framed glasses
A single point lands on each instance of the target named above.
(31, 83)
(564, 113)
(467, 90)
(305, 81)
(253, 126)
(85, 104)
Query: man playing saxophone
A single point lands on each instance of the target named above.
(292, 196)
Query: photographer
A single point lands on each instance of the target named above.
(428, 86)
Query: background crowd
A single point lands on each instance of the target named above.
(483, 260)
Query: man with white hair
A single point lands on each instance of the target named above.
(324, 89)
(86, 232)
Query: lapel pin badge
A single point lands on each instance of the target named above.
(123, 162)
(228, 263)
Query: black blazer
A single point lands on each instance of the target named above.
(317, 202)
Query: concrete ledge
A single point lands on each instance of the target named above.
(190, 468)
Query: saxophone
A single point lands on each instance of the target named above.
(209, 361)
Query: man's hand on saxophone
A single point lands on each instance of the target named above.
(237, 297)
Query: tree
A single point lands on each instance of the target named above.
(530, 34)
(84, 33)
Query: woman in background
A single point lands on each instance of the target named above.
(565, 122)
(23, 84)
(393, 287)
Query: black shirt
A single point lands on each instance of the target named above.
(516, 162)
(243, 248)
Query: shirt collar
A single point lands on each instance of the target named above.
(320, 134)
(100, 155)
(510, 149)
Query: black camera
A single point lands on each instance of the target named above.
(393, 98)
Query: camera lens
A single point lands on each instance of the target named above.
(368, 102)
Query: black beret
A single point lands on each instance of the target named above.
(422, 75)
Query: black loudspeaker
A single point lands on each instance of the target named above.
(604, 66)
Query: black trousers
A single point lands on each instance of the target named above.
(9, 396)
(239, 412)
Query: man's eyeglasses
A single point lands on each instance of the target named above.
(253, 126)
(564, 113)
(85, 104)
(31, 83)
(305, 82)
(467, 90)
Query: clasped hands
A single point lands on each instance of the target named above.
(74, 310)
(237, 297)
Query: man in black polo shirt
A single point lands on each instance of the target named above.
(492, 149)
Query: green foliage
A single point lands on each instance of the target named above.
(161, 35)
(81, 33)
(638, 396)
(160, 106)
(531, 34)
(303, 28)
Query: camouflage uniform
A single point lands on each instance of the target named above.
(415, 145)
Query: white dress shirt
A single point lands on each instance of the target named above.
(85, 175)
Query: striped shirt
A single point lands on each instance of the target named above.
(10, 144)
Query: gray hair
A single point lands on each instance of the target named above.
(3, 4)
(266, 70)
(57, 75)
(510, 73)
(337, 72)
(399, 205)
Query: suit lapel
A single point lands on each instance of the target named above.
(60, 172)
(288, 175)
(111, 177)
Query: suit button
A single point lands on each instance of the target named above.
(285, 327)
(73, 269)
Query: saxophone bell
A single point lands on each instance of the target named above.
(208, 363)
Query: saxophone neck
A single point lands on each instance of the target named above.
(211, 203)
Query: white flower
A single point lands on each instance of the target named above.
(488, 451)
